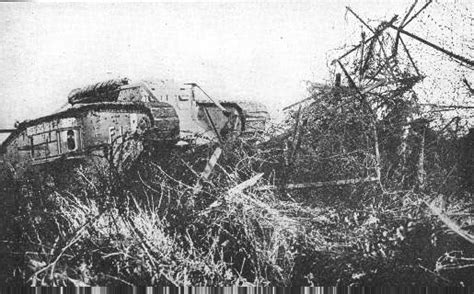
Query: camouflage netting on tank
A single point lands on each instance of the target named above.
(100, 92)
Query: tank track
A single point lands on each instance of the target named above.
(253, 115)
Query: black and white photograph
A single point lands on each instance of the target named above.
(302, 144)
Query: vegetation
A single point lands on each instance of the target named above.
(355, 188)
(150, 226)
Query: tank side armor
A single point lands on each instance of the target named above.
(165, 120)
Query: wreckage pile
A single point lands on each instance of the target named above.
(355, 188)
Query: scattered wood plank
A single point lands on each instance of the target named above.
(448, 106)
(319, 184)
(246, 184)
(207, 170)
(450, 223)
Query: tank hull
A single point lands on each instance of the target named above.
(85, 130)
(116, 115)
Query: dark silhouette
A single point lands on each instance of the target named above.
(71, 141)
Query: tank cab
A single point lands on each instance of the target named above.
(194, 126)
(203, 118)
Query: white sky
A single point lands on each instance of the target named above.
(260, 51)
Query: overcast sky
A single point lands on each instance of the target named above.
(263, 51)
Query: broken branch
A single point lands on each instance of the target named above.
(434, 46)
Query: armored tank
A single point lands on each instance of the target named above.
(201, 118)
(105, 117)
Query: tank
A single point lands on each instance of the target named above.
(103, 130)
(105, 117)
(201, 118)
